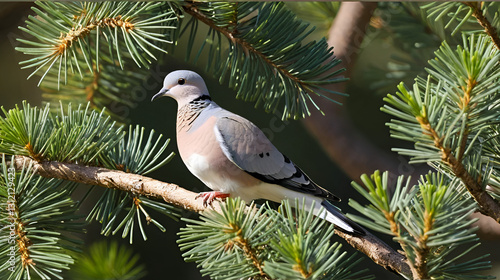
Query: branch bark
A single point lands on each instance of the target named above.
(379, 252)
(336, 133)
(484, 22)
(370, 245)
(487, 204)
(192, 9)
(114, 179)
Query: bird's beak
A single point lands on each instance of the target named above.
(161, 93)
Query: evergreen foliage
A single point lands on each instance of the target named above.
(259, 46)
(105, 260)
(430, 221)
(262, 243)
(462, 83)
(416, 30)
(90, 43)
(90, 138)
(459, 16)
(37, 225)
(99, 50)
(96, 53)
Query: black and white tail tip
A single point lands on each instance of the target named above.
(342, 222)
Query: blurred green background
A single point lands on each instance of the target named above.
(160, 253)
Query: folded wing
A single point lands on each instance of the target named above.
(248, 148)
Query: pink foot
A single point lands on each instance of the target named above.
(209, 197)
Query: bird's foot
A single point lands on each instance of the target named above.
(209, 197)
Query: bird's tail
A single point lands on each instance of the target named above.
(334, 216)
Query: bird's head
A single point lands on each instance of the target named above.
(184, 86)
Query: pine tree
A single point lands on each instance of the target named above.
(91, 55)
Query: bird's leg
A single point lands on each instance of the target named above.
(209, 197)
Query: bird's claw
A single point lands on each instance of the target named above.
(209, 197)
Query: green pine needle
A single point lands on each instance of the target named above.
(430, 221)
(256, 48)
(263, 243)
(454, 109)
(139, 155)
(64, 34)
(72, 135)
(105, 260)
(89, 137)
(36, 236)
(458, 15)
(99, 51)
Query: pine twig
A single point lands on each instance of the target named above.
(192, 10)
(379, 252)
(370, 245)
(486, 203)
(420, 269)
(417, 267)
(484, 22)
(250, 253)
(114, 179)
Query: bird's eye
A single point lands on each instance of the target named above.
(181, 81)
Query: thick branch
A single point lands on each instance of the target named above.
(381, 253)
(115, 179)
(370, 245)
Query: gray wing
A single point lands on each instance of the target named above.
(246, 146)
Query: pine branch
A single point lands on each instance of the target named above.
(63, 33)
(36, 225)
(74, 40)
(256, 41)
(304, 249)
(114, 179)
(484, 22)
(89, 138)
(462, 84)
(379, 252)
(250, 252)
(370, 245)
(100, 51)
(193, 10)
(377, 191)
(428, 220)
(458, 16)
(232, 243)
(487, 204)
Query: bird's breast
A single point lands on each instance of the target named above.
(203, 156)
(200, 142)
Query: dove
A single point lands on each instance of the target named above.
(234, 158)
